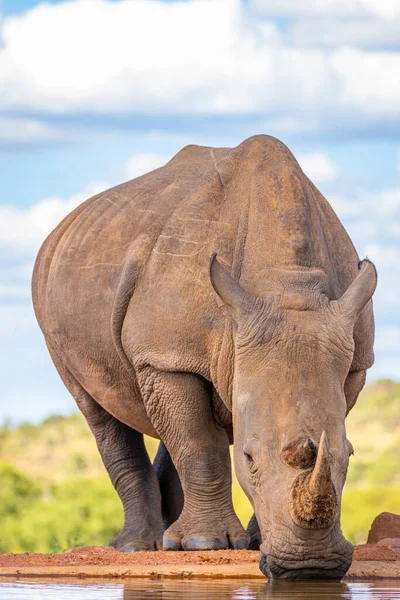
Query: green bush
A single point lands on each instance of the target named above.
(78, 512)
(87, 511)
(17, 491)
(360, 507)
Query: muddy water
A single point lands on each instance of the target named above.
(196, 590)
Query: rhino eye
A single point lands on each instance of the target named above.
(248, 456)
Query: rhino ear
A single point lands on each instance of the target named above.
(359, 292)
(230, 291)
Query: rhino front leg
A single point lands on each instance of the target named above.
(179, 406)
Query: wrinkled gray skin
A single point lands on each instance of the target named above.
(266, 345)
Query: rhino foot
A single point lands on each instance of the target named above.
(179, 537)
(125, 542)
(138, 546)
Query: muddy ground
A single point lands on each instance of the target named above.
(370, 561)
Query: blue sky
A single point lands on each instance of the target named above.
(95, 92)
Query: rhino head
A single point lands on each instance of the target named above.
(293, 352)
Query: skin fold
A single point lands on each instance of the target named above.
(215, 300)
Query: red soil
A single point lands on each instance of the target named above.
(94, 555)
(370, 561)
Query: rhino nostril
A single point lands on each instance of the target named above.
(300, 454)
(312, 445)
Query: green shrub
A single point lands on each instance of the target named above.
(360, 507)
(17, 491)
(78, 512)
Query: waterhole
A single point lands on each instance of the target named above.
(196, 589)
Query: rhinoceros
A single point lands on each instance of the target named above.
(215, 300)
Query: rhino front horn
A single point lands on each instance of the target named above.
(313, 500)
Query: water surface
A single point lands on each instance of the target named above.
(233, 589)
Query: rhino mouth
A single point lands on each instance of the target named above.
(275, 568)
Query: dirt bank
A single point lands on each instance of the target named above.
(370, 561)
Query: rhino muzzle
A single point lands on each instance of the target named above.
(316, 555)
(313, 501)
(314, 568)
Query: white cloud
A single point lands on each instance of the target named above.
(386, 201)
(375, 212)
(363, 229)
(23, 230)
(16, 272)
(139, 164)
(385, 366)
(329, 32)
(388, 338)
(13, 290)
(15, 318)
(344, 207)
(368, 80)
(150, 57)
(14, 129)
(383, 256)
(387, 9)
(388, 294)
(394, 229)
(318, 167)
(143, 55)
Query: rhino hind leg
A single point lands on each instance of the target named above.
(255, 534)
(179, 407)
(170, 486)
(128, 465)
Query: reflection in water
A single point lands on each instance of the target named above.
(237, 590)
(168, 589)
(257, 590)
